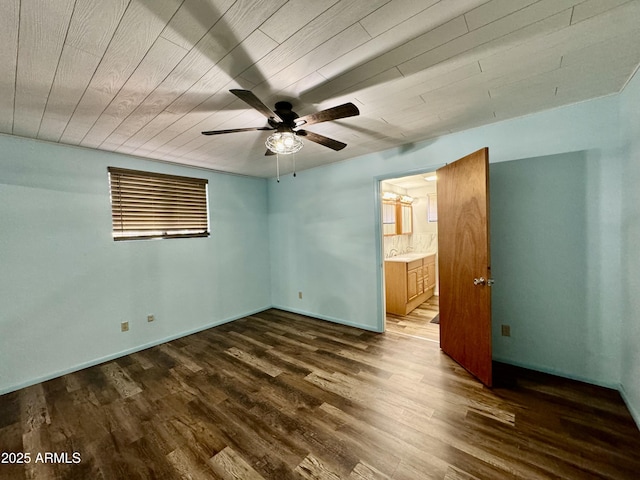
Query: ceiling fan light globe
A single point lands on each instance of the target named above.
(284, 143)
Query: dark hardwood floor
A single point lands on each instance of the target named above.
(279, 396)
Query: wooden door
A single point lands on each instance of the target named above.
(464, 263)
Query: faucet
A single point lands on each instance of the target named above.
(392, 253)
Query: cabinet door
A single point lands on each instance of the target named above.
(412, 284)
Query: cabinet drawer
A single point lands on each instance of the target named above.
(414, 264)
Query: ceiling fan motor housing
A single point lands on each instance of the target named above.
(288, 116)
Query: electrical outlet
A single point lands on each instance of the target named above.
(300, 295)
(150, 318)
(506, 331)
(124, 326)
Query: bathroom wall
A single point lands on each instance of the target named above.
(424, 238)
(425, 233)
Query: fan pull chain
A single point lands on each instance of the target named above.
(278, 167)
(294, 164)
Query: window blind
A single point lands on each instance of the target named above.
(154, 205)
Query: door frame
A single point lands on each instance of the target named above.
(379, 244)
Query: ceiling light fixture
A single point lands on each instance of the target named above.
(390, 196)
(284, 142)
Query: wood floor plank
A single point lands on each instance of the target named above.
(312, 468)
(270, 456)
(180, 357)
(277, 395)
(34, 409)
(258, 363)
(228, 465)
(187, 466)
(367, 472)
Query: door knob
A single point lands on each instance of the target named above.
(479, 281)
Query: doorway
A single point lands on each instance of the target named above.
(409, 251)
(463, 263)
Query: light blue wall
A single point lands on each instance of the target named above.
(322, 244)
(630, 122)
(66, 285)
(325, 240)
(555, 244)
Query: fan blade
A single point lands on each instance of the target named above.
(250, 99)
(268, 152)
(334, 113)
(234, 130)
(322, 140)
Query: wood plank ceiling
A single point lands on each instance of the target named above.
(145, 77)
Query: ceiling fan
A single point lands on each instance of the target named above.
(288, 125)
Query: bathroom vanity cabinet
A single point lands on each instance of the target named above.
(409, 280)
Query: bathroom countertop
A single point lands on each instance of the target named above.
(408, 257)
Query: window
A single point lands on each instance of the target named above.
(153, 205)
(432, 209)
